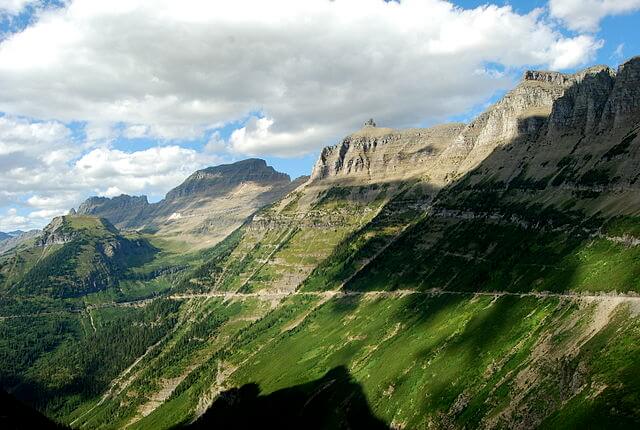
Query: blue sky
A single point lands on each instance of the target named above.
(128, 96)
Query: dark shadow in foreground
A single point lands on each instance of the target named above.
(335, 401)
(14, 415)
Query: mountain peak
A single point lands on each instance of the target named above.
(216, 178)
(556, 78)
(65, 228)
(565, 79)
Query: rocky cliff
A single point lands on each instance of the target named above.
(382, 154)
(220, 179)
(542, 110)
(121, 210)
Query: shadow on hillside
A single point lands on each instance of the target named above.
(335, 401)
(507, 241)
(15, 415)
(491, 231)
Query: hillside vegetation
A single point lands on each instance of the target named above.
(464, 276)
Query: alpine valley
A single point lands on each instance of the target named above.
(481, 275)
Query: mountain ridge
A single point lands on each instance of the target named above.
(480, 275)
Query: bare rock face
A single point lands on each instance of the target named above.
(575, 131)
(55, 234)
(383, 154)
(623, 103)
(580, 108)
(519, 114)
(558, 138)
(121, 210)
(218, 179)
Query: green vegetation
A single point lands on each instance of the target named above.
(59, 362)
(507, 299)
(419, 358)
(88, 256)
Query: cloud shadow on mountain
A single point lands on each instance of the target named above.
(335, 401)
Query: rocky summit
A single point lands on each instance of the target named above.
(480, 275)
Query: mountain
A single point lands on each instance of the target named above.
(73, 256)
(14, 239)
(202, 210)
(480, 275)
(8, 235)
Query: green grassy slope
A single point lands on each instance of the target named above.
(63, 337)
(507, 299)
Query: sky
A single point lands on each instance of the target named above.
(131, 96)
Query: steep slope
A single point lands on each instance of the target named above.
(478, 307)
(204, 209)
(74, 255)
(17, 238)
(463, 276)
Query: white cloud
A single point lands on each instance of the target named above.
(569, 51)
(43, 171)
(316, 69)
(155, 170)
(13, 7)
(52, 202)
(216, 143)
(21, 136)
(259, 136)
(618, 53)
(11, 220)
(585, 15)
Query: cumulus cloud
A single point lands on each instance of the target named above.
(44, 172)
(154, 170)
(216, 143)
(315, 69)
(11, 220)
(585, 15)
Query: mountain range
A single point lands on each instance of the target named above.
(480, 275)
(204, 209)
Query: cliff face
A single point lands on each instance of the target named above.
(382, 154)
(579, 145)
(120, 210)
